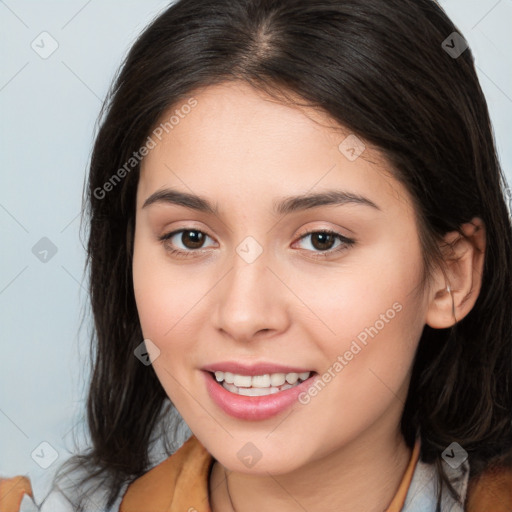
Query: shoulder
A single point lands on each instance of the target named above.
(182, 478)
(12, 492)
(490, 491)
(45, 494)
(16, 495)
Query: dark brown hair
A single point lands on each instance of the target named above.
(377, 67)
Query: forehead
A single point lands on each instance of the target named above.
(236, 141)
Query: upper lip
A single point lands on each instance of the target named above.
(253, 369)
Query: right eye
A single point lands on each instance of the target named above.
(191, 240)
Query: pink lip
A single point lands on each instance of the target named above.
(255, 369)
(254, 408)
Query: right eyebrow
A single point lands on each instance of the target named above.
(185, 199)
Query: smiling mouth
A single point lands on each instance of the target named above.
(260, 385)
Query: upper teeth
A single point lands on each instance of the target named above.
(260, 381)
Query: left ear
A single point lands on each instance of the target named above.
(462, 272)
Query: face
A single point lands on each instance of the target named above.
(252, 288)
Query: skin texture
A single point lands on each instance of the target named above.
(243, 151)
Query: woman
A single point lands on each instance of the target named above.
(299, 240)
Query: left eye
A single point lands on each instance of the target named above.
(322, 241)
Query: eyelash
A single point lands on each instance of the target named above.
(346, 243)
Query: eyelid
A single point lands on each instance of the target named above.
(170, 234)
(330, 230)
(346, 242)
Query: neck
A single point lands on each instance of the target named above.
(363, 475)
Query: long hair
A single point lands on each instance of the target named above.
(382, 70)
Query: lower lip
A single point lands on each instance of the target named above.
(253, 407)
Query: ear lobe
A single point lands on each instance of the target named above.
(458, 284)
(442, 312)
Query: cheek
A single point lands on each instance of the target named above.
(161, 294)
(163, 291)
(375, 314)
(163, 300)
(173, 309)
(376, 289)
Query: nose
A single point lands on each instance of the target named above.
(251, 300)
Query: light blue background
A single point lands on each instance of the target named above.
(48, 112)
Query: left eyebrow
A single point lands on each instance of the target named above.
(283, 206)
(328, 198)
